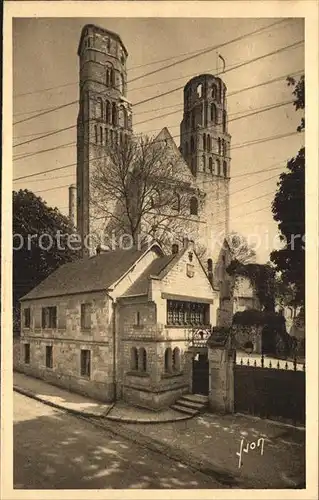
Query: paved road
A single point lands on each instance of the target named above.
(53, 449)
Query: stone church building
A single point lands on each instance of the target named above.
(118, 324)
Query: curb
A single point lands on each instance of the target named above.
(31, 394)
(146, 422)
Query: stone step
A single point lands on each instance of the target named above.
(196, 398)
(191, 404)
(183, 409)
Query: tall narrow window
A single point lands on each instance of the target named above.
(168, 360)
(99, 108)
(49, 356)
(137, 319)
(114, 114)
(219, 146)
(225, 169)
(193, 206)
(210, 164)
(96, 134)
(49, 317)
(27, 354)
(224, 121)
(213, 112)
(27, 317)
(134, 359)
(218, 167)
(85, 363)
(85, 316)
(112, 77)
(101, 135)
(142, 359)
(199, 90)
(204, 163)
(204, 142)
(209, 143)
(176, 360)
(107, 112)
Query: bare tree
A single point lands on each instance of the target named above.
(240, 249)
(143, 189)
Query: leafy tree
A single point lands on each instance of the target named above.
(143, 190)
(288, 209)
(240, 249)
(40, 243)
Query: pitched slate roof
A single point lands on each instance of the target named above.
(140, 286)
(86, 275)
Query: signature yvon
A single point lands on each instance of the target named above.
(250, 446)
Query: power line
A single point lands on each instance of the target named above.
(226, 71)
(44, 136)
(46, 112)
(28, 155)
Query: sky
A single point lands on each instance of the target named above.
(46, 74)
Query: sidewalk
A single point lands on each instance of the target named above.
(75, 403)
(209, 443)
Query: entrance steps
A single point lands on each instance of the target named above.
(191, 404)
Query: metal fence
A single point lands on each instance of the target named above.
(270, 388)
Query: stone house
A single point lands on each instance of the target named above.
(117, 325)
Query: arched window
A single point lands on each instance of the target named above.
(204, 142)
(213, 112)
(176, 202)
(225, 169)
(134, 359)
(193, 120)
(219, 146)
(193, 206)
(199, 90)
(204, 163)
(111, 137)
(218, 167)
(99, 108)
(121, 116)
(108, 76)
(142, 359)
(168, 360)
(114, 114)
(209, 143)
(176, 360)
(112, 77)
(107, 112)
(210, 164)
(106, 136)
(192, 145)
(224, 121)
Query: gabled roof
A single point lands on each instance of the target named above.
(185, 171)
(140, 286)
(88, 275)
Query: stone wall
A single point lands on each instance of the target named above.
(67, 341)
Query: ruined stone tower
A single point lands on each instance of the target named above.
(205, 146)
(104, 112)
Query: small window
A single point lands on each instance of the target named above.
(85, 316)
(96, 134)
(49, 317)
(194, 206)
(27, 354)
(218, 167)
(49, 356)
(209, 143)
(101, 135)
(27, 317)
(224, 121)
(134, 359)
(168, 360)
(138, 319)
(107, 111)
(176, 360)
(204, 142)
(142, 359)
(204, 163)
(219, 146)
(85, 363)
(214, 91)
(213, 113)
(114, 114)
